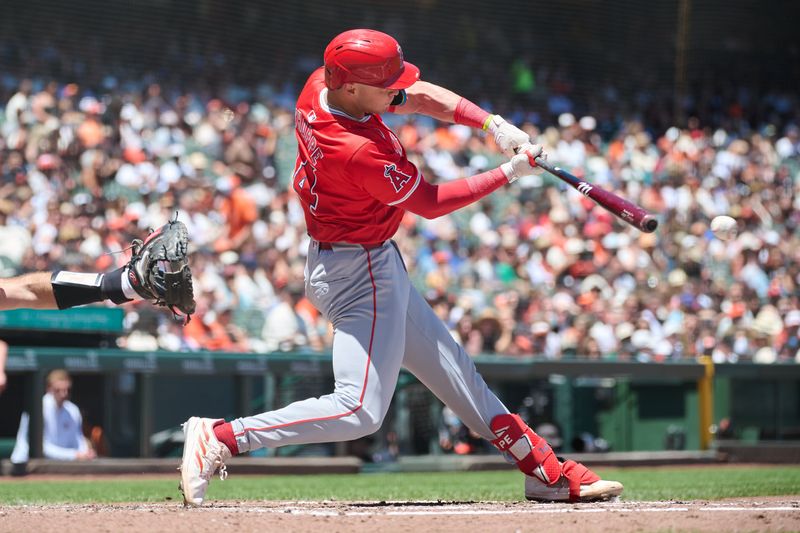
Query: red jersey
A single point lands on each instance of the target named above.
(350, 173)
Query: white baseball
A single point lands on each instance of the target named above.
(723, 227)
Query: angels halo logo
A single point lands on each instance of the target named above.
(397, 178)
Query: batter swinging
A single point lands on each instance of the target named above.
(355, 183)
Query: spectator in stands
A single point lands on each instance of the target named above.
(284, 328)
(239, 211)
(455, 436)
(789, 341)
(63, 433)
(3, 359)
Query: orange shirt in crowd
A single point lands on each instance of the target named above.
(91, 133)
(240, 210)
(212, 337)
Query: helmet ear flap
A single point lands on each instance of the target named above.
(334, 78)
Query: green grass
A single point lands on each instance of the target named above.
(679, 483)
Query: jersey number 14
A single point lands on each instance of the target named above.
(304, 181)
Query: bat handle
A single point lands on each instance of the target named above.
(542, 162)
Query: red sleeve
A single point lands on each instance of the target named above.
(432, 201)
(393, 180)
(470, 114)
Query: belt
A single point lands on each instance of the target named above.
(367, 246)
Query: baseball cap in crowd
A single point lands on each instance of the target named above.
(642, 339)
(90, 104)
(588, 123)
(441, 256)
(765, 355)
(596, 281)
(677, 278)
(226, 184)
(559, 215)
(134, 155)
(47, 162)
(767, 322)
(540, 328)
(574, 246)
(624, 330)
(662, 349)
(562, 302)
(229, 257)
(792, 319)
(565, 120)
(748, 241)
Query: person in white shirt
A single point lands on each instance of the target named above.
(3, 357)
(63, 436)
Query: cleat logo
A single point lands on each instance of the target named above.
(503, 441)
(499, 432)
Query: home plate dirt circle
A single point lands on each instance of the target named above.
(753, 514)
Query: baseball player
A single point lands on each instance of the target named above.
(355, 184)
(158, 271)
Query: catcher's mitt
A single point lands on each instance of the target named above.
(159, 270)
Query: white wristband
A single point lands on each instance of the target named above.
(508, 170)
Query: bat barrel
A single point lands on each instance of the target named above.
(620, 207)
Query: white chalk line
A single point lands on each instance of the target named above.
(472, 512)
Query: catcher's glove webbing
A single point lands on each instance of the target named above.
(159, 270)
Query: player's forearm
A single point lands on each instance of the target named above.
(433, 201)
(445, 105)
(431, 100)
(54, 451)
(31, 291)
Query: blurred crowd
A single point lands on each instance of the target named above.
(534, 269)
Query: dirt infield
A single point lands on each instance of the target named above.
(754, 514)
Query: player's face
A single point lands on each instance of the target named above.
(60, 390)
(374, 99)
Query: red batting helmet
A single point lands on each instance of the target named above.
(369, 57)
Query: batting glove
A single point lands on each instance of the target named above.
(507, 136)
(524, 164)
